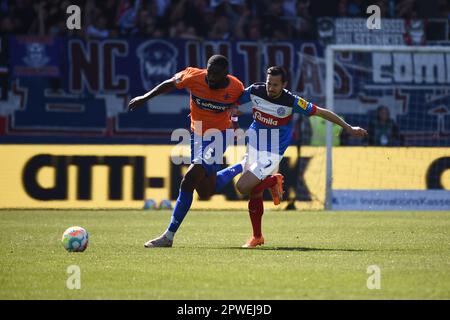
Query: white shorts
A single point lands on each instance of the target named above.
(261, 163)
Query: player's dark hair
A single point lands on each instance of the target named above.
(218, 61)
(278, 71)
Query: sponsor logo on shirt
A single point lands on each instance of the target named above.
(265, 120)
(208, 105)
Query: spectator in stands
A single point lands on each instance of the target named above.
(241, 25)
(192, 13)
(407, 9)
(383, 131)
(444, 10)
(8, 25)
(51, 18)
(161, 6)
(248, 29)
(23, 11)
(427, 9)
(354, 8)
(319, 132)
(324, 8)
(148, 23)
(387, 8)
(245, 19)
(98, 29)
(304, 24)
(233, 9)
(127, 15)
(222, 29)
(290, 8)
(182, 31)
(108, 9)
(302, 133)
(274, 25)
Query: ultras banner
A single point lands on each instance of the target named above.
(68, 90)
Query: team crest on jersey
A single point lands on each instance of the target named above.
(281, 112)
(158, 62)
(302, 103)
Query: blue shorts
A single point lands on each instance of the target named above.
(209, 151)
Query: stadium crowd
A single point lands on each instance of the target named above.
(200, 19)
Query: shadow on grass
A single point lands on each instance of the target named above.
(295, 249)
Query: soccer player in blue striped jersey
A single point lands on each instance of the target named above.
(273, 108)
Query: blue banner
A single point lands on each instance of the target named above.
(74, 90)
(34, 56)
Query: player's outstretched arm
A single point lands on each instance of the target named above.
(163, 87)
(333, 117)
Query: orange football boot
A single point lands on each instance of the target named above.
(277, 190)
(253, 242)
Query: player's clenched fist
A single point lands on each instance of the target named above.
(357, 132)
(135, 103)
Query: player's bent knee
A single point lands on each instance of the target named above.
(189, 182)
(204, 192)
(204, 195)
(243, 187)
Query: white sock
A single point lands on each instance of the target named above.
(169, 234)
(243, 162)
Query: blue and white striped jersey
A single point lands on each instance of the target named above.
(269, 113)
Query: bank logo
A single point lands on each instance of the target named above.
(158, 62)
(35, 55)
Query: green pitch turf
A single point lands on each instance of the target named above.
(308, 255)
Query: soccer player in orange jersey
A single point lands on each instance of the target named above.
(213, 93)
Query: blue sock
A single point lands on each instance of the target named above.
(226, 175)
(182, 206)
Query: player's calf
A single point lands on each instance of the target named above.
(206, 187)
(277, 189)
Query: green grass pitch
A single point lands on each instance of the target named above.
(307, 255)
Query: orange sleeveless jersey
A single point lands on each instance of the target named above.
(212, 107)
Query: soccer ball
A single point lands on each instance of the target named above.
(165, 205)
(75, 239)
(150, 204)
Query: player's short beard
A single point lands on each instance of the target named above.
(274, 96)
